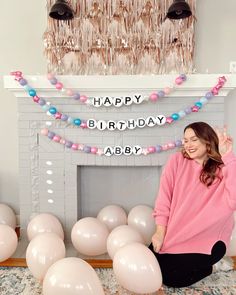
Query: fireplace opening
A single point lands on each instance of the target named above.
(100, 186)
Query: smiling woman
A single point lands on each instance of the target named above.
(201, 144)
(195, 205)
(194, 147)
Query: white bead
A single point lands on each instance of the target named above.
(101, 125)
(118, 150)
(96, 101)
(127, 150)
(91, 123)
(137, 150)
(141, 122)
(138, 98)
(151, 121)
(121, 125)
(108, 151)
(161, 120)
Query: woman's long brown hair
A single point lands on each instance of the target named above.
(207, 135)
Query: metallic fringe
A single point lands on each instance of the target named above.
(111, 37)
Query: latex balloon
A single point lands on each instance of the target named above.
(89, 236)
(44, 223)
(42, 252)
(121, 236)
(136, 269)
(112, 216)
(7, 216)
(71, 276)
(140, 217)
(8, 242)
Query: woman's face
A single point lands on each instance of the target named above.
(194, 147)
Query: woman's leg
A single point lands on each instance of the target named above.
(182, 270)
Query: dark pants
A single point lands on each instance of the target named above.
(182, 270)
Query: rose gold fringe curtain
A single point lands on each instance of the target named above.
(110, 37)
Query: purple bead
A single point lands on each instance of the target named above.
(53, 81)
(41, 102)
(51, 134)
(158, 148)
(161, 93)
(64, 117)
(188, 110)
(178, 143)
(87, 149)
(23, 82)
(183, 77)
(209, 95)
(68, 144)
(76, 96)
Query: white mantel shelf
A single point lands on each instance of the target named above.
(194, 83)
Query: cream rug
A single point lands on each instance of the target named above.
(18, 280)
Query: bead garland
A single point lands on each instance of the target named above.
(110, 151)
(116, 101)
(122, 124)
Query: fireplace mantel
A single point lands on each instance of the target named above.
(194, 83)
(35, 150)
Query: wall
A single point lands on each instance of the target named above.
(22, 49)
(22, 25)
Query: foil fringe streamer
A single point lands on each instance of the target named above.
(112, 37)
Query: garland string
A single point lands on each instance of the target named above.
(122, 124)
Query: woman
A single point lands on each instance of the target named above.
(194, 207)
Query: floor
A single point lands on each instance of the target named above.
(18, 259)
(70, 251)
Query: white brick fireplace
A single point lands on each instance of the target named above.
(72, 184)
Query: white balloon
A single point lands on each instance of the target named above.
(121, 236)
(112, 216)
(71, 276)
(44, 223)
(89, 236)
(8, 242)
(42, 252)
(140, 217)
(137, 269)
(7, 216)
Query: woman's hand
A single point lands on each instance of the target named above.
(225, 141)
(158, 237)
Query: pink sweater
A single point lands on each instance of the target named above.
(196, 216)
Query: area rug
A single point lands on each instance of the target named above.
(18, 280)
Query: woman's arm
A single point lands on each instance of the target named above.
(229, 178)
(163, 202)
(158, 237)
(229, 169)
(164, 196)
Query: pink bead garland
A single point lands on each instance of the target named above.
(83, 124)
(97, 151)
(154, 96)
